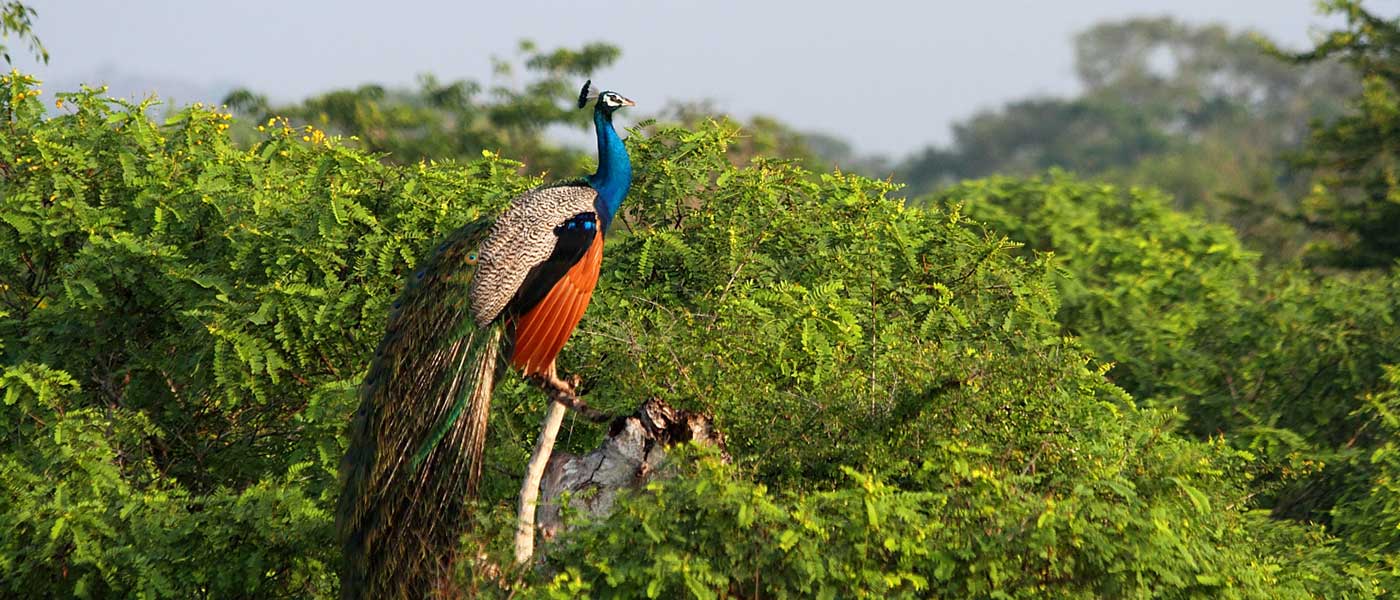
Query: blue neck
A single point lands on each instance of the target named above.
(614, 174)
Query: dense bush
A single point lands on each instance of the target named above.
(185, 321)
(1288, 365)
(184, 325)
(960, 526)
(1143, 285)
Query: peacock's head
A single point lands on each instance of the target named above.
(607, 101)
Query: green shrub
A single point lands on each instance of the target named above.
(1284, 363)
(1142, 285)
(959, 526)
(184, 325)
(827, 326)
(185, 322)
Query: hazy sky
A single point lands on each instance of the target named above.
(889, 76)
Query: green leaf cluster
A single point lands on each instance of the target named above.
(17, 18)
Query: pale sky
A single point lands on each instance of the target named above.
(888, 76)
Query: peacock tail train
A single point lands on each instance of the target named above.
(416, 440)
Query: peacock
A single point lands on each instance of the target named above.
(496, 292)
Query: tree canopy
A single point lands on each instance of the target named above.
(458, 119)
(1204, 113)
(1355, 160)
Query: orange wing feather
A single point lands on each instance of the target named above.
(531, 330)
(542, 332)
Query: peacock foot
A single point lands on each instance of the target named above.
(557, 386)
(565, 391)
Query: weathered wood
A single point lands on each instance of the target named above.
(631, 456)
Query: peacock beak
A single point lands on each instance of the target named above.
(628, 102)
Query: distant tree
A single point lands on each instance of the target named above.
(458, 119)
(766, 136)
(1191, 77)
(1355, 160)
(18, 19)
(1199, 111)
(1033, 135)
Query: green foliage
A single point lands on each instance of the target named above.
(960, 525)
(1356, 159)
(185, 321)
(89, 515)
(1142, 285)
(1285, 364)
(1373, 520)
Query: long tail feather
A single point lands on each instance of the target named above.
(416, 442)
(483, 371)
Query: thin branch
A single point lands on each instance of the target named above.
(530, 488)
(562, 397)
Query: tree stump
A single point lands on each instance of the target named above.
(631, 456)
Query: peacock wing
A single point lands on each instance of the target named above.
(524, 237)
(551, 301)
